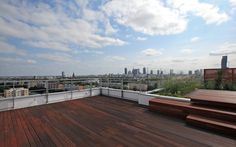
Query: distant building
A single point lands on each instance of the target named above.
(73, 75)
(63, 74)
(158, 72)
(197, 72)
(190, 72)
(161, 72)
(151, 72)
(224, 62)
(144, 71)
(15, 92)
(126, 71)
(53, 85)
(171, 72)
(135, 72)
(137, 87)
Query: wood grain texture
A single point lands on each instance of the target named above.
(212, 97)
(99, 121)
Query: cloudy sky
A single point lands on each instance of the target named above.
(41, 37)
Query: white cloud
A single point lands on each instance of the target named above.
(93, 52)
(151, 52)
(194, 39)
(232, 3)
(115, 58)
(8, 48)
(16, 61)
(210, 13)
(45, 27)
(225, 49)
(30, 61)
(184, 59)
(146, 16)
(49, 45)
(57, 57)
(141, 38)
(187, 51)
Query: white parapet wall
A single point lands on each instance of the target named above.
(40, 99)
(141, 97)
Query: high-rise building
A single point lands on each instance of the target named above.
(171, 72)
(135, 72)
(158, 72)
(197, 72)
(126, 71)
(224, 62)
(144, 71)
(151, 72)
(161, 73)
(63, 74)
(190, 72)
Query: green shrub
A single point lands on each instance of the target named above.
(179, 87)
(209, 85)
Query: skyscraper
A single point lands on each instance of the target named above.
(144, 71)
(63, 74)
(126, 71)
(224, 62)
(151, 72)
(136, 72)
(171, 72)
(190, 72)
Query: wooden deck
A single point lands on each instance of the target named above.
(99, 121)
(214, 97)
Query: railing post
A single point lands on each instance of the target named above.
(108, 86)
(100, 87)
(71, 92)
(122, 88)
(90, 88)
(14, 95)
(46, 85)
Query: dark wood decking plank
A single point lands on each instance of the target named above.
(59, 138)
(1, 129)
(8, 130)
(13, 140)
(145, 126)
(34, 128)
(77, 119)
(60, 123)
(85, 136)
(165, 127)
(32, 132)
(103, 121)
(19, 130)
(26, 129)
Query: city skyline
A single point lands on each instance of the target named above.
(100, 37)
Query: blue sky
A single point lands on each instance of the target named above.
(38, 37)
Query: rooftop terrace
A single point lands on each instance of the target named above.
(99, 121)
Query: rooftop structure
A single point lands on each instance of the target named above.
(102, 121)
